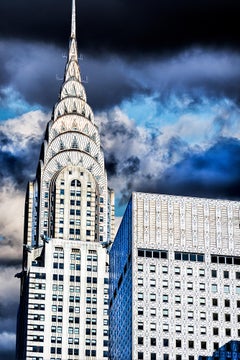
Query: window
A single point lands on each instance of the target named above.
(215, 331)
(140, 325)
(177, 285)
(165, 298)
(189, 271)
(140, 355)
(177, 270)
(203, 345)
(227, 303)
(201, 272)
(215, 316)
(228, 332)
(152, 311)
(214, 288)
(153, 342)
(214, 273)
(190, 329)
(165, 342)
(226, 289)
(178, 343)
(165, 327)
(140, 267)
(165, 269)
(215, 302)
(190, 314)
(153, 326)
(152, 268)
(202, 301)
(140, 311)
(190, 300)
(140, 282)
(202, 315)
(152, 297)
(191, 344)
(140, 340)
(152, 282)
(226, 274)
(202, 287)
(177, 313)
(203, 330)
(140, 296)
(178, 328)
(227, 317)
(165, 312)
(238, 290)
(189, 285)
(165, 283)
(177, 299)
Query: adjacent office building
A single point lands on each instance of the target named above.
(69, 223)
(175, 279)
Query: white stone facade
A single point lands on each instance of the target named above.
(69, 223)
(179, 269)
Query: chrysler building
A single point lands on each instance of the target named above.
(69, 225)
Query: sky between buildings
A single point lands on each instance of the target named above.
(163, 82)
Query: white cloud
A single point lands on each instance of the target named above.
(11, 222)
(20, 130)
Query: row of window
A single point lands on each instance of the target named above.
(220, 259)
(189, 271)
(153, 356)
(189, 286)
(184, 256)
(190, 313)
(190, 330)
(156, 254)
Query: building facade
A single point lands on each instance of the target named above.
(69, 223)
(175, 279)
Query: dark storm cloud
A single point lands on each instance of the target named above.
(30, 69)
(213, 173)
(124, 26)
(20, 165)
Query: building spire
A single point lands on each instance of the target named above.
(72, 66)
(73, 29)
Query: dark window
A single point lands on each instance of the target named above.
(153, 342)
(140, 340)
(215, 331)
(228, 332)
(227, 302)
(226, 274)
(203, 345)
(165, 342)
(227, 317)
(215, 302)
(178, 343)
(214, 273)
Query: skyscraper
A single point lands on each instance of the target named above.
(69, 222)
(175, 279)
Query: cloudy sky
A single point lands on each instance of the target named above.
(164, 84)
